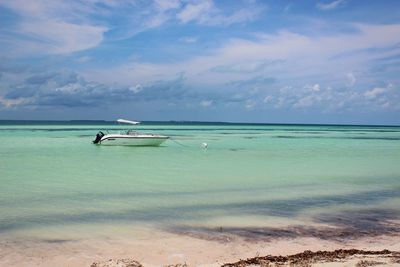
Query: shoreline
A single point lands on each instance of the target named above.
(173, 249)
(215, 243)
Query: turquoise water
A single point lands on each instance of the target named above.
(51, 176)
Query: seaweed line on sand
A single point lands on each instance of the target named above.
(307, 257)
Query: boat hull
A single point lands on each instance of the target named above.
(132, 140)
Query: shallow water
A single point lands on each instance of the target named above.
(53, 180)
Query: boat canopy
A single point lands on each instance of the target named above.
(127, 122)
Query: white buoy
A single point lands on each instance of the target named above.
(204, 145)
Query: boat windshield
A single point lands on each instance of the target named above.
(131, 132)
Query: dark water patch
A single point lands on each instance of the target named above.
(375, 138)
(268, 205)
(183, 138)
(56, 241)
(281, 208)
(133, 195)
(131, 216)
(338, 137)
(242, 132)
(62, 129)
(236, 149)
(369, 220)
(287, 136)
(227, 133)
(188, 136)
(352, 226)
(310, 132)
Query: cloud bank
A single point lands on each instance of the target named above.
(200, 57)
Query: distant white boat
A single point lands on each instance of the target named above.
(129, 137)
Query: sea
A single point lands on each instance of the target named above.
(55, 183)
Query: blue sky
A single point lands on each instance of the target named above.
(323, 61)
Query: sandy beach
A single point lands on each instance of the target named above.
(196, 248)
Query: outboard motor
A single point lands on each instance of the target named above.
(99, 135)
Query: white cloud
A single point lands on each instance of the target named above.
(205, 12)
(331, 5)
(312, 70)
(280, 56)
(167, 5)
(268, 99)
(51, 27)
(248, 66)
(161, 13)
(315, 57)
(56, 37)
(136, 89)
(374, 93)
(383, 97)
(62, 27)
(321, 57)
(316, 87)
(243, 15)
(68, 89)
(195, 11)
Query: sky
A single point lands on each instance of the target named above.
(282, 61)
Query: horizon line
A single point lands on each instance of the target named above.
(204, 122)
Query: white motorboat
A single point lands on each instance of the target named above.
(129, 137)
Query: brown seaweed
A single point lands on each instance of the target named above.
(308, 257)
